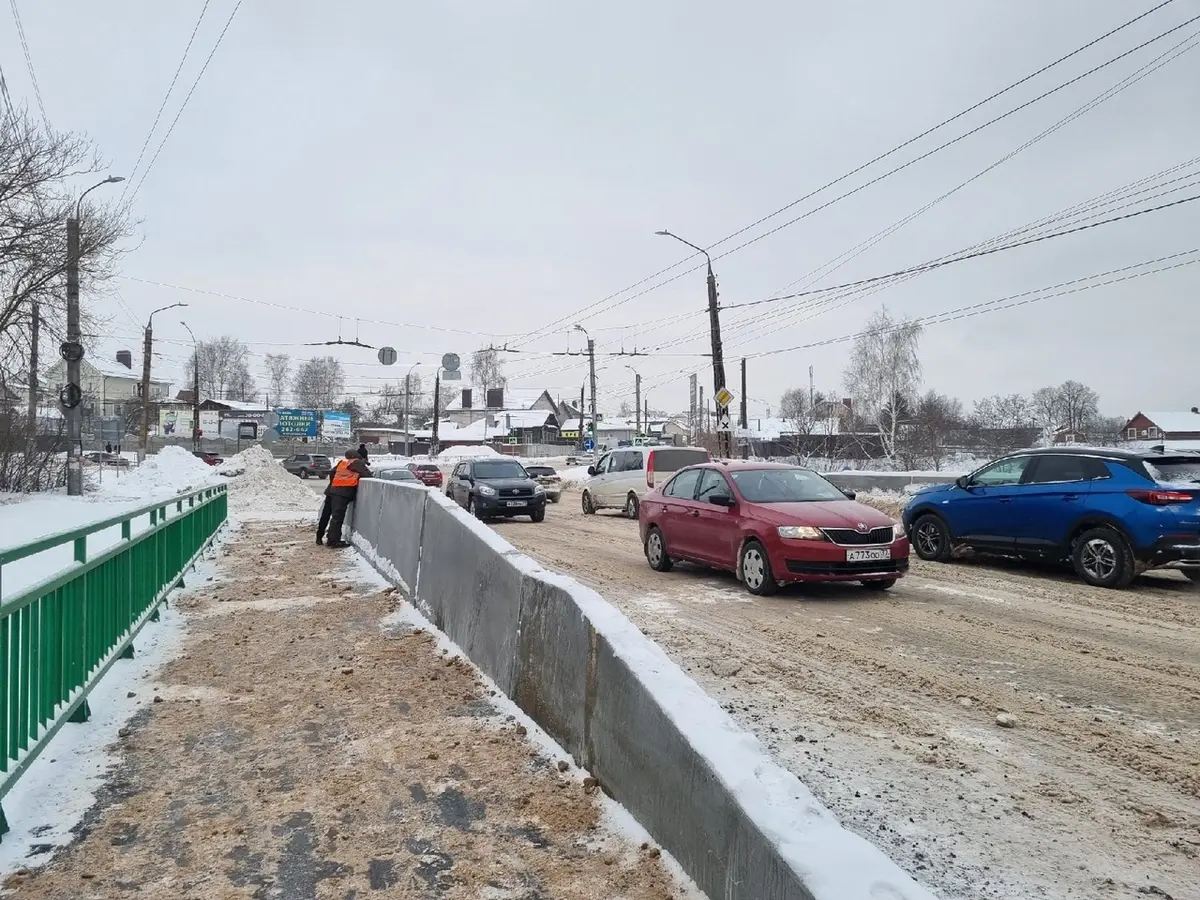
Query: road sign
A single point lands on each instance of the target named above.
(589, 445)
(723, 420)
(723, 397)
(513, 440)
(452, 374)
(450, 362)
(387, 355)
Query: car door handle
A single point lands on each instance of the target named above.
(1006, 499)
(1067, 498)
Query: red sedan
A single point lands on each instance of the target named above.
(770, 524)
(429, 474)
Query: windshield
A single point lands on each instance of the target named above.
(1175, 471)
(784, 486)
(499, 469)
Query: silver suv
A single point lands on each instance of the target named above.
(620, 478)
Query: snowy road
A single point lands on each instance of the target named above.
(886, 707)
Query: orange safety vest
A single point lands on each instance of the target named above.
(344, 476)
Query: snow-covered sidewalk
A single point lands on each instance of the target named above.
(295, 747)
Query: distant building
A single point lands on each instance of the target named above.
(470, 407)
(109, 387)
(1158, 426)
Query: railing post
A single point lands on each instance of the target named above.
(81, 549)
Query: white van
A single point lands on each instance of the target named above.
(620, 478)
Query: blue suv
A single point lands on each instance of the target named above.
(1110, 513)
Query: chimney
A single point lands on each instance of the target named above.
(466, 398)
(125, 358)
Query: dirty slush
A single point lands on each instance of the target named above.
(296, 750)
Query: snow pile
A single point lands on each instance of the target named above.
(171, 471)
(258, 484)
(890, 502)
(467, 451)
(574, 477)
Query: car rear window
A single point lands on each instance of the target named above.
(1184, 470)
(321, 459)
(426, 467)
(675, 458)
(540, 470)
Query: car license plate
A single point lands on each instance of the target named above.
(868, 555)
(516, 503)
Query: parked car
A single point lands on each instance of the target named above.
(619, 479)
(1109, 513)
(428, 473)
(770, 524)
(308, 465)
(210, 458)
(488, 488)
(404, 475)
(549, 479)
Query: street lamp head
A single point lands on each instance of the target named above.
(663, 233)
(114, 179)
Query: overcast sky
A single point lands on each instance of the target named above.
(488, 168)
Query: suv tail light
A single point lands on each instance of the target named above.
(1161, 497)
(650, 469)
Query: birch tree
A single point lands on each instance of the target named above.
(884, 375)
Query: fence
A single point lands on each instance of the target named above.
(61, 635)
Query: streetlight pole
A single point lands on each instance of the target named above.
(407, 410)
(718, 357)
(195, 386)
(591, 345)
(72, 350)
(147, 344)
(637, 402)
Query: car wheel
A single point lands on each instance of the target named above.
(538, 515)
(631, 506)
(553, 498)
(304, 473)
(756, 570)
(473, 510)
(931, 538)
(589, 508)
(1103, 558)
(879, 584)
(656, 551)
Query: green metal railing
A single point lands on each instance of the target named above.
(59, 637)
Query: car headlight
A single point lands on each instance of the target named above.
(538, 490)
(801, 532)
(487, 490)
(898, 531)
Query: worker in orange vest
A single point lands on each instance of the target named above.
(343, 488)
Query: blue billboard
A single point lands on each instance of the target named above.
(335, 426)
(297, 422)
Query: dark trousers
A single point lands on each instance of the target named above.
(323, 521)
(339, 503)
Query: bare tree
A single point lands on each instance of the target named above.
(279, 375)
(1002, 423)
(319, 383)
(487, 369)
(38, 174)
(1070, 406)
(884, 374)
(224, 366)
(936, 427)
(241, 385)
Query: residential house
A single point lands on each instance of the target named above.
(467, 408)
(110, 387)
(1172, 427)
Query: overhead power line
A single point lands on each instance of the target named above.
(162, 106)
(183, 106)
(37, 91)
(875, 160)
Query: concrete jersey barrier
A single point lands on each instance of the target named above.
(741, 826)
(887, 481)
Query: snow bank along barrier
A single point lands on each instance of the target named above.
(886, 481)
(61, 635)
(740, 825)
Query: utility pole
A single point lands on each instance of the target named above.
(195, 384)
(72, 350)
(592, 384)
(147, 345)
(437, 413)
(646, 415)
(582, 404)
(637, 401)
(744, 424)
(703, 428)
(692, 408)
(408, 410)
(724, 433)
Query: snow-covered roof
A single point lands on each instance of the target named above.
(772, 428)
(1168, 443)
(239, 406)
(496, 424)
(110, 368)
(514, 398)
(1175, 421)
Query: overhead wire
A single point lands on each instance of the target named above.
(879, 158)
(162, 106)
(186, 100)
(37, 90)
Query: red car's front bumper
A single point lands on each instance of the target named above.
(794, 560)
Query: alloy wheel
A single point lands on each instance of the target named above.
(1099, 559)
(929, 538)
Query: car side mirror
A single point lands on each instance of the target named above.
(963, 482)
(850, 495)
(720, 500)
(591, 470)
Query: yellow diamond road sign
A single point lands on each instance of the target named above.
(724, 397)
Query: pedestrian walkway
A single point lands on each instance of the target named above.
(302, 751)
